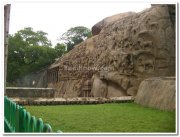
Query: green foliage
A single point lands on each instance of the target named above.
(60, 49)
(28, 51)
(34, 38)
(117, 117)
(75, 36)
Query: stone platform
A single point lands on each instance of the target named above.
(70, 101)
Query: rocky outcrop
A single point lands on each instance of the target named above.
(157, 93)
(109, 20)
(114, 62)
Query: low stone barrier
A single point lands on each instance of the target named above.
(71, 101)
(26, 92)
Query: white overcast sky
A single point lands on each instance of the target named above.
(55, 18)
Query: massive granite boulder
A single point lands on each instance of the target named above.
(100, 25)
(124, 53)
(157, 92)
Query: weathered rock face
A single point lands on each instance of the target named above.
(100, 25)
(157, 92)
(124, 53)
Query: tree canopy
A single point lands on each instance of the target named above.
(60, 49)
(34, 38)
(74, 36)
(30, 51)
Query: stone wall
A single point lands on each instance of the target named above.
(25, 92)
(157, 93)
(36, 79)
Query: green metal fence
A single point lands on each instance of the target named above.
(17, 119)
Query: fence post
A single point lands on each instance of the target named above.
(13, 115)
(39, 126)
(32, 124)
(28, 116)
(47, 128)
(17, 124)
(22, 118)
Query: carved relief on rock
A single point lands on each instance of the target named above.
(136, 47)
(144, 62)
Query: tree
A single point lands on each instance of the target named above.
(26, 53)
(34, 38)
(74, 36)
(60, 49)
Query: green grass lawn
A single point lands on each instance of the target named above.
(114, 117)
